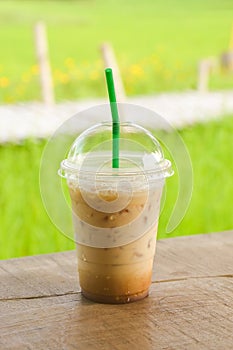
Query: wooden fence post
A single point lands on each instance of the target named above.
(111, 62)
(203, 76)
(226, 60)
(43, 62)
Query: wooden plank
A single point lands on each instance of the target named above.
(190, 304)
(188, 314)
(194, 256)
(36, 276)
(176, 258)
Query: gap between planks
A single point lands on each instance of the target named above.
(79, 291)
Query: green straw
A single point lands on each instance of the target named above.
(115, 118)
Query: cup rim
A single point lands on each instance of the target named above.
(163, 170)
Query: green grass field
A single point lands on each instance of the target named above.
(26, 229)
(158, 44)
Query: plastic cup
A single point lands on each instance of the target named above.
(115, 211)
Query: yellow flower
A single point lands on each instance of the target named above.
(61, 77)
(4, 82)
(57, 73)
(64, 78)
(35, 69)
(136, 70)
(154, 58)
(94, 75)
(9, 99)
(69, 62)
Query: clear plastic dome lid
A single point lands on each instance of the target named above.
(139, 151)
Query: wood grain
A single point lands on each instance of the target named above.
(190, 305)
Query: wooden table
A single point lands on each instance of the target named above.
(190, 305)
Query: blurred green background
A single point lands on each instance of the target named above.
(157, 43)
(158, 46)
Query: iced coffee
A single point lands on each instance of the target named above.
(122, 273)
(115, 210)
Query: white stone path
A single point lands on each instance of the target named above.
(179, 109)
